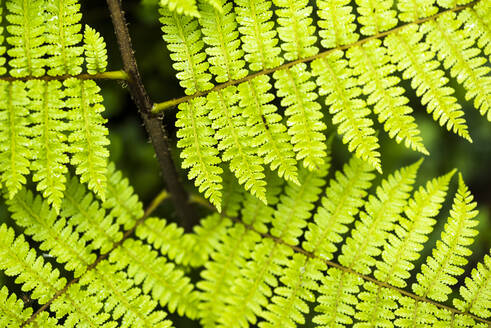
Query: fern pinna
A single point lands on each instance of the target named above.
(51, 113)
(350, 55)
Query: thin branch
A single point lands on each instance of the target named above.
(162, 196)
(160, 107)
(153, 124)
(111, 75)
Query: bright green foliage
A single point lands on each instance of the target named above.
(235, 143)
(198, 153)
(415, 59)
(440, 269)
(185, 7)
(462, 59)
(264, 123)
(49, 141)
(336, 81)
(259, 39)
(296, 30)
(338, 207)
(337, 23)
(14, 132)
(377, 219)
(95, 51)
(411, 231)
(26, 28)
(476, 293)
(63, 37)
(184, 41)
(371, 63)
(412, 10)
(3, 61)
(477, 24)
(220, 34)
(376, 16)
(304, 114)
(87, 139)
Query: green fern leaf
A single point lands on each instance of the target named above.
(36, 276)
(12, 309)
(3, 49)
(477, 25)
(304, 114)
(259, 39)
(371, 62)
(476, 294)
(49, 143)
(449, 255)
(235, 142)
(63, 36)
(221, 35)
(339, 206)
(376, 16)
(336, 81)
(415, 60)
(296, 30)
(55, 235)
(265, 127)
(199, 153)
(336, 23)
(411, 232)
(185, 7)
(95, 51)
(27, 37)
(461, 58)
(185, 44)
(88, 133)
(381, 211)
(412, 10)
(14, 136)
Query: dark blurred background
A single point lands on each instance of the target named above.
(135, 156)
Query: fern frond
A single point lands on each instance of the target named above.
(259, 38)
(381, 211)
(295, 28)
(3, 49)
(403, 247)
(88, 218)
(95, 51)
(477, 25)
(376, 16)
(121, 202)
(461, 58)
(199, 153)
(55, 235)
(336, 23)
(221, 35)
(439, 271)
(185, 7)
(476, 294)
(49, 143)
(234, 142)
(168, 285)
(11, 308)
(412, 10)
(372, 65)
(335, 79)
(304, 114)
(185, 44)
(341, 203)
(18, 259)
(14, 133)
(268, 134)
(27, 37)
(88, 134)
(414, 58)
(63, 37)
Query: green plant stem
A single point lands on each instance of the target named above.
(111, 75)
(160, 107)
(162, 196)
(153, 123)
